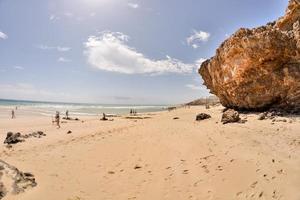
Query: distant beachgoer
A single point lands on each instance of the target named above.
(16, 107)
(13, 114)
(67, 114)
(104, 117)
(57, 119)
(131, 111)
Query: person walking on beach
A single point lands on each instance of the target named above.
(13, 114)
(57, 119)
(67, 114)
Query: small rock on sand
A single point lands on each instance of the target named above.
(137, 167)
(262, 116)
(202, 116)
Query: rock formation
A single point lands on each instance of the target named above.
(259, 68)
(230, 116)
(14, 138)
(13, 181)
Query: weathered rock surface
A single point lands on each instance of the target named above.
(13, 181)
(13, 138)
(202, 116)
(259, 68)
(230, 116)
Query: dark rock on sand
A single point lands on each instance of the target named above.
(69, 132)
(137, 167)
(257, 69)
(270, 115)
(2, 189)
(262, 116)
(13, 181)
(13, 138)
(230, 116)
(37, 134)
(69, 118)
(202, 116)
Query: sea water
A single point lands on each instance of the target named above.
(49, 108)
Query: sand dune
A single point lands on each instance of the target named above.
(158, 157)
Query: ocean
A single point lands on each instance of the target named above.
(76, 109)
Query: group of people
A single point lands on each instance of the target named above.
(133, 112)
(57, 118)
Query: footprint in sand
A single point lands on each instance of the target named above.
(253, 185)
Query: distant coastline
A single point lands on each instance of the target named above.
(47, 108)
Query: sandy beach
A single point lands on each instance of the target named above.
(150, 100)
(158, 157)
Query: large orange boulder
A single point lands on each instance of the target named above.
(259, 68)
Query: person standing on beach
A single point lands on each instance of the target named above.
(13, 114)
(57, 119)
(67, 114)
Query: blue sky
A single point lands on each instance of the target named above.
(117, 51)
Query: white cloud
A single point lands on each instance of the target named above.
(195, 87)
(18, 67)
(110, 52)
(62, 59)
(3, 36)
(196, 38)
(200, 61)
(58, 48)
(133, 5)
(53, 17)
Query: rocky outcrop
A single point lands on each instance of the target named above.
(13, 181)
(259, 68)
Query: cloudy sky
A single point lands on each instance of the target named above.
(117, 51)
